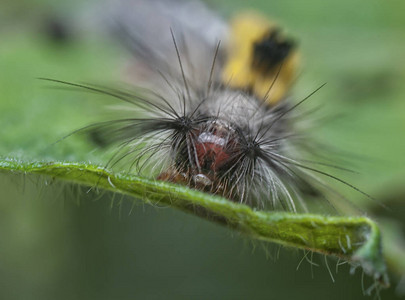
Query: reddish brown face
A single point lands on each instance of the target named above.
(215, 150)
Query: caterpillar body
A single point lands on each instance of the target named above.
(214, 110)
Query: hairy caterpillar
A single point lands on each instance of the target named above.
(214, 111)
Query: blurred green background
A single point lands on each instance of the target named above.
(59, 241)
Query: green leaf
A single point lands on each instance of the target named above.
(355, 239)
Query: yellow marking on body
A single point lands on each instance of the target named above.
(247, 30)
